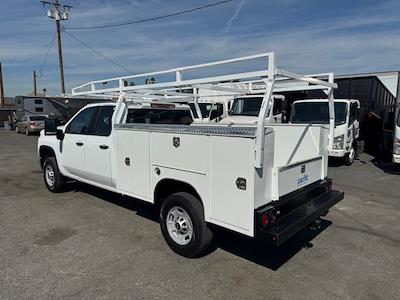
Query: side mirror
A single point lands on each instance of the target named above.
(50, 127)
(60, 134)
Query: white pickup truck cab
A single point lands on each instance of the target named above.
(396, 142)
(347, 124)
(266, 182)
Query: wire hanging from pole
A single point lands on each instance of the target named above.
(152, 18)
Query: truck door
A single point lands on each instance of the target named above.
(98, 147)
(353, 129)
(73, 146)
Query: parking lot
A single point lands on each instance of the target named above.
(88, 243)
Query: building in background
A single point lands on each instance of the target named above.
(61, 108)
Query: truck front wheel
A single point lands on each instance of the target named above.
(53, 178)
(349, 158)
(183, 225)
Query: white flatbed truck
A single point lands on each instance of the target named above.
(267, 182)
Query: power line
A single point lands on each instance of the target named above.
(152, 18)
(49, 46)
(97, 52)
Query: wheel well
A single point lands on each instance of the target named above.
(168, 187)
(45, 152)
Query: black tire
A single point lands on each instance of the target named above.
(202, 235)
(349, 158)
(27, 131)
(59, 179)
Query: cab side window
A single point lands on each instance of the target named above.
(217, 111)
(103, 122)
(80, 124)
(353, 113)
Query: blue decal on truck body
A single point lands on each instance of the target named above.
(302, 180)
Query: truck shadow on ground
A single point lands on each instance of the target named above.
(386, 166)
(253, 250)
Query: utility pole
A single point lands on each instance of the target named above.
(2, 101)
(59, 13)
(34, 84)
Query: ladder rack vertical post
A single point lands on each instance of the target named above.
(178, 76)
(265, 105)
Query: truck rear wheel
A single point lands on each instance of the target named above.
(183, 225)
(53, 178)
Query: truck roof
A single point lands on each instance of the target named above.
(326, 100)
(144, 105)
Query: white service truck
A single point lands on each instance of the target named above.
(396, 142)
(347, 124)
(267, 182)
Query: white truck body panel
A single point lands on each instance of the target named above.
(202, 160)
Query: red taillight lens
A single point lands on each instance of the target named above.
(264, 219)
(268, 217)
(328, 185)
(33, 123)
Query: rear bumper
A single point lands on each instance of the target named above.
(296, 219)
(36, 128)
(337, 153)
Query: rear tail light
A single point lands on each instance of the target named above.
(328, 185)
(264, 219)
(268, 217)
(33, 123)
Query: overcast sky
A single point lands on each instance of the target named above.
(309, 36)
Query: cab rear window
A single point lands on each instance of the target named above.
(159, 116)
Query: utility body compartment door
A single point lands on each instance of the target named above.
(133, 162)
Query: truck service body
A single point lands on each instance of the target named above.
(267, 182)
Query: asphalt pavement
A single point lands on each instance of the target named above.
(90, 244)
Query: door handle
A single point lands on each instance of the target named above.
(103, 147)
(79, 144)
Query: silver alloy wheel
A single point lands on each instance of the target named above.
(26, 131)
(50, 178)
(179, 225)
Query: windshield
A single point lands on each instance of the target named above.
(159, 116)
(38, 118)
(246, 106)
(318, 113)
